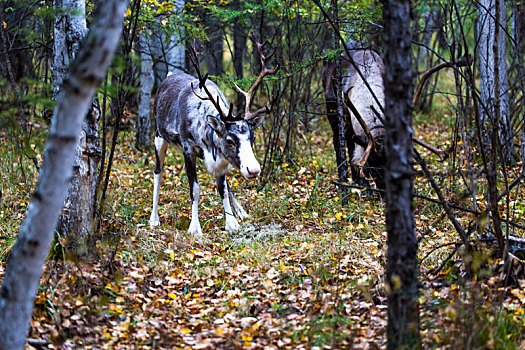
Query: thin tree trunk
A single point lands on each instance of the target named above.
(498, 114)
(15, 15)
(143, 132)
(423, 57)
(24, 266)
(519, 35)
(337, 121)
(239, 48)
(402, 266)
(176, 54)
(215, 54)
(76, 223)
(493, 61)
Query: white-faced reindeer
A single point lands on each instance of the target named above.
(194, 115)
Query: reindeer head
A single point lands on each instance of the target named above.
(233, 136)
(233, 140)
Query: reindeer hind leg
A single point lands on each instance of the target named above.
(357, 177)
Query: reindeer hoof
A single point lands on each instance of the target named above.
(232, 225)
(241, 214)
(154, 221)
(195, 230)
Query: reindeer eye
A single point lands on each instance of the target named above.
(231, 142)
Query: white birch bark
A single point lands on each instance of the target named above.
(176, 53)
(486, 31)
(69, 30)
(76, 222)
(24, 266)
(143, 132)
(518, 30)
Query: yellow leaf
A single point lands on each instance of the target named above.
(128, 12)
(339, 216)
(4, 24)
(172, 296)
(218, 331)
(198, 253)
(106, 333)
(124, 325)
(185, 330)
(283, 268)
(170, 253)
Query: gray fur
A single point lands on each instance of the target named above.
(184, 120)
(182, 117)
(371, 66)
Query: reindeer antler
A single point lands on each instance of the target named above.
(194, 58)
(264, 72)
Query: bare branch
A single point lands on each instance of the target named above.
(460, 62)
(264, 72)
(194, 58)
(442, 154)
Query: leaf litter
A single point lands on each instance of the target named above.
(303, 273)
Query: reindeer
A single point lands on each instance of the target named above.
(364, 97)
(364, 129)
(194, 115)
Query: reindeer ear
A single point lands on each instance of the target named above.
(256, 122)
(216, 124)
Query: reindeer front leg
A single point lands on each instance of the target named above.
(160, 153)
(222, 185)
(238, 210)
(195, 226)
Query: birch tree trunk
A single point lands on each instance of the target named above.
(402, 266)
(77, 220)
(143, 132)
(176, 55)
(423, 57)
(168, 52)
(494, 106)
(518, 12)
(24, 266)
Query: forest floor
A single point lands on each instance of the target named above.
(304, 272)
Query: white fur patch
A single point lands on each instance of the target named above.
(154, 218)
(250, 167)
(195, 226)
(217, 167)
